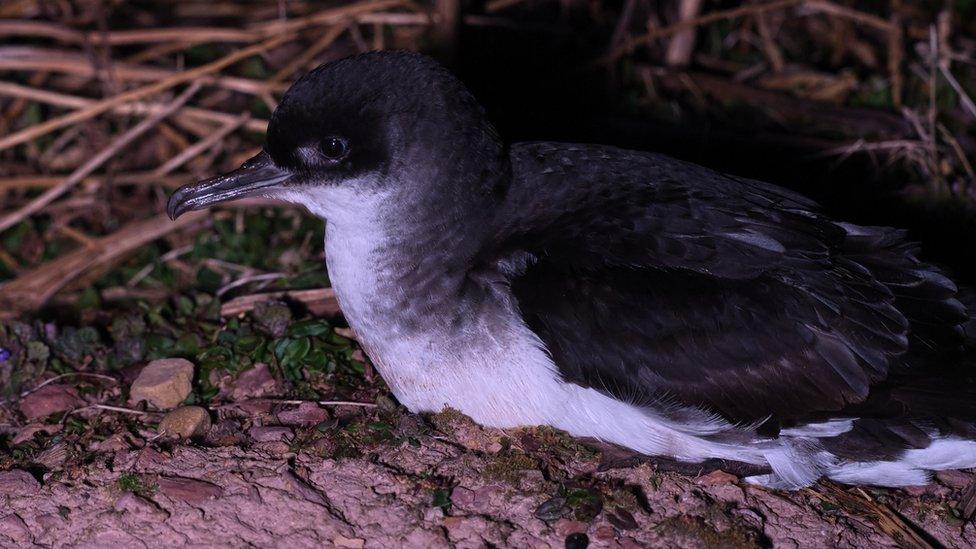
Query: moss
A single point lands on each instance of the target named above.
(550, 441)
(685, 531)
(139, 484)
(507, 467)
(447, 419)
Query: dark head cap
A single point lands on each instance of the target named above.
(381, 118)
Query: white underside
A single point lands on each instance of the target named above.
(508, 379)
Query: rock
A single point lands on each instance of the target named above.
(27, 432)
(462, 497)
(930, 489)
(715, 478)
(49, 521)
(163, 383)
(955, 479)
(189, 490)
(114, 443)
(14, 528)
(150, 458)
(605, 532)
(225, 433)
(52, 458)
(552, 509)
(48, 400)
(254, 382)
(18, 483)
(138, 505)
(622, 519)
(567, 527)
(577, 541)
(186, 422)
(349, 543)
(305, 414)
(270, 434)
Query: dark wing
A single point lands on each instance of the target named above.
(654, 278)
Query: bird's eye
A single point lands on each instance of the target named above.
(334, 148)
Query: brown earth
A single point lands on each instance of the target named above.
(445, 482)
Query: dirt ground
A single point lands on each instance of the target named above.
(443, 482)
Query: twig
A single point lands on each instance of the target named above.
(39, 29)
(447, 28)
(199, 147)
(494, 6)
(32, 289)
(823, 6)
(769, 47)
(136, 108)
(247, 280)
(310, 53)
(19, 183)
(661, 32)
(34, 58)
(957, 148)
(964, 98)
(890, 522)
(396, 19)
(108, 408)
(682, 44)
(96, 162)
(98, 108)
(321, 301)
(70, 374)
(144, 272)
(330, 16)
(895, 55)
(300, 402)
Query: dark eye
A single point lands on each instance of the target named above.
(334, 148)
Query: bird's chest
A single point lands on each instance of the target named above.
(486, 364)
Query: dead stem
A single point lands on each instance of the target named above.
(98, 108)
(96, 162)
(134, 108)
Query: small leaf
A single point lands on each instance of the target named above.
(441, 498)
(306, 328)
(552, 509)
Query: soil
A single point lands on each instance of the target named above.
(443, 481)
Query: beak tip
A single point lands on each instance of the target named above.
(173, 209)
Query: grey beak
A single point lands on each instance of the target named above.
(250, 179)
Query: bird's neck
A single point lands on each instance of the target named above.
(401, 268)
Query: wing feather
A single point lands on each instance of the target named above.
(654, 278)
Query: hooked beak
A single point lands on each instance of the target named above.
(250, 179)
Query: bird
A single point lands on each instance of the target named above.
(618, 295)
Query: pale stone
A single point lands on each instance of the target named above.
(163, 383)
(186, 422)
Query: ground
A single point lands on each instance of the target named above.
(375, 477)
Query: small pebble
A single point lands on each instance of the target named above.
(254, 382)
(189, 490)
(270, 434)
(186, 422)
(164, 383)
(577, 541)
(50, 399)
(552, 509)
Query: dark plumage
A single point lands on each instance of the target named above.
(724, 317)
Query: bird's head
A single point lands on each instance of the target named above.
(391, 124)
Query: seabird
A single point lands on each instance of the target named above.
(614, 294)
